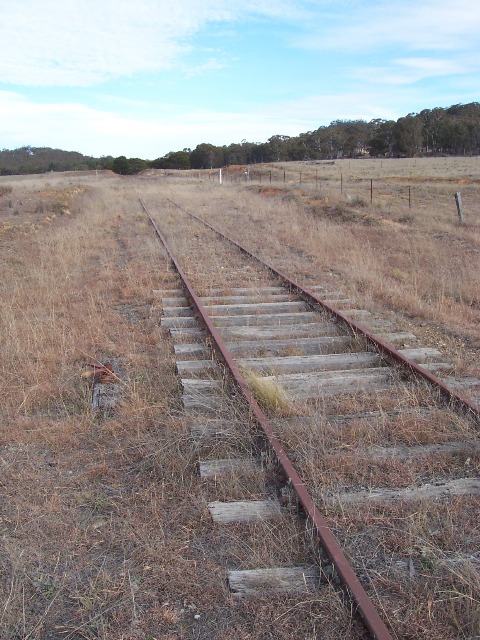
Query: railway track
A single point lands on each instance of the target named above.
(378, 455)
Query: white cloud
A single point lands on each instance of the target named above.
(208, 65)
(404, 71)
(413, 25)
(84, 42)
(79, 43)
(320, 110)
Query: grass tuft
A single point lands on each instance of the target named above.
(269, 395)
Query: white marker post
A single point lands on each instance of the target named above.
(458, 201)
(220, 176)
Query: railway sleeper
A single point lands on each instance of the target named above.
(205, 431)
(253, 582)
(180, 334)
(213, 404)
(198, 367)
(224, 466)
(390, 421)
(239, 291)
(314, 384)
(169, 292)
(191, 350)
(298, 364)
(249, 299)
(302, 346)
(427, 491)
(264, 348)
(333, 361)
(249, 333)
(287, 364)
(178, 312)
(244, 511)
(266, 319)
(179, 322)
(178, 301)
(404, 452)
(266, 308)
(219, 292)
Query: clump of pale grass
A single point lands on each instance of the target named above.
(269, 395)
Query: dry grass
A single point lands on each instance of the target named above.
(104, 528)
(411, 554)
(418, 267)
(74, 486)
(419, 262)
(269, 395)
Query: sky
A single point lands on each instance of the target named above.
(145, 77)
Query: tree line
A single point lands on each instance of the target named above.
(451, 130)
(29, 159)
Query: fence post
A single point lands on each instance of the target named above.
(270, 177)
(341, 183)
(458, 200)
(284, 176)
(371, 190)
(409, 198)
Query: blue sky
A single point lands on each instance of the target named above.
(111, 77)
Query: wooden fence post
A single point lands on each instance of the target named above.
(458, 200)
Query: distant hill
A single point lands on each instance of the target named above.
(42, 159)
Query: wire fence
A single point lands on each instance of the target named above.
(401, 191)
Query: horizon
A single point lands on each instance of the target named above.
(109, 78)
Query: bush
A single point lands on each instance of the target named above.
(357, 201)
(5, 189)
(128, 167)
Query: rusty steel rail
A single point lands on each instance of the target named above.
(343, 568)
(453, 397)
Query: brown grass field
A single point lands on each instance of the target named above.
(104, 531)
